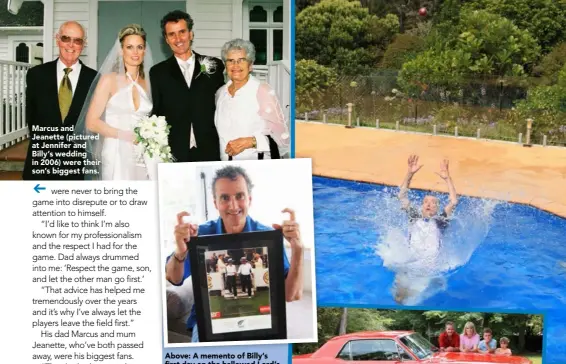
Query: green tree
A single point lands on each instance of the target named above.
(328, 320)
(481, 44)
(343, 35)
(302, 4)
(544, 19)
(366, 319)
(449, 11)
(546, 105)
(405, 10)
(313, 85)
(30, 14)
(403, 48)
(551, 64)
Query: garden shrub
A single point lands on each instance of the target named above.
(403, 48)
(314, 85)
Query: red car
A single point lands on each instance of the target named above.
(394, 347)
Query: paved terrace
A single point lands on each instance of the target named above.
(479, 168)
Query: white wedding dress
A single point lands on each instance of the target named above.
(121, 160)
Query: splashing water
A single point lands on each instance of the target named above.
(419, 268)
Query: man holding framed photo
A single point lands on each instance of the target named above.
(232, 195)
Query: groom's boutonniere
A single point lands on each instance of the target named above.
(207, 66)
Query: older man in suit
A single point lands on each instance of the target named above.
(183, 90)
(55, 93)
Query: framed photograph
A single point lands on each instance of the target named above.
(239, 286)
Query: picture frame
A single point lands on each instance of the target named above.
(230, 308)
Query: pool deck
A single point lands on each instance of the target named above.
(506, 171)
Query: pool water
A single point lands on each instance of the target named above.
(506, 256)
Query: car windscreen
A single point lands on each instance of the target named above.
(420, 346)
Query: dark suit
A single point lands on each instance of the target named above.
(184, 107)
(42, 110)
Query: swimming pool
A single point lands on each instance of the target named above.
(516, 265)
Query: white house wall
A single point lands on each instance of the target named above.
(213, 25)
(10, 37)
(4, 47)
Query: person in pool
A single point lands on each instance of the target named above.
(426, 226)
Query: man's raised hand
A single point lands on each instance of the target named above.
(183, 232)
(444, 173)
(290, 229)
(413, 164)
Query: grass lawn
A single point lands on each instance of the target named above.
(535, 358)
(241, 307)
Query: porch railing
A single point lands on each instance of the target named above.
(13, 127)
(261, 73)
(279, 77)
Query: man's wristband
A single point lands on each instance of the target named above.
(180, 260)
(254, 142)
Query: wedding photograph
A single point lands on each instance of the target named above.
(237, 248)
(106, 90)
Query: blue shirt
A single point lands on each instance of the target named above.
(214, 227)
(492, 345)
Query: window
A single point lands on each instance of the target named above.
(277, 44)
(368, 350)
(266, 31)
(259, 38)
(258, 15)
(278, 15)
(404, 354)
(420, 346)
(22, 53)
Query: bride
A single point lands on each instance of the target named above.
(117, 100)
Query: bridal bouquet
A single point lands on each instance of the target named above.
(152, 135)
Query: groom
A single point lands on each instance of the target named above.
(183, 90)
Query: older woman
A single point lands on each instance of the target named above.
(469, 340)
(249, 118)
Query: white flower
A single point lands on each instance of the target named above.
(207, 65)
(152, 135)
